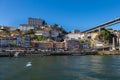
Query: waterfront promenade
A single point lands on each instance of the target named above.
(21, 52)
(9, 52)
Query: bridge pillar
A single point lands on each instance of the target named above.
(113, 46)
(117, 42)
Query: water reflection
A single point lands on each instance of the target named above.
(61, 68)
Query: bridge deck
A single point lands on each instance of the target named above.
(104, 25)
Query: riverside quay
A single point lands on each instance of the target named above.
(17, 52)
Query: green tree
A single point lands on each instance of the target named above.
(105, 34)
(33, 37)
(81, 41)
(29, 32)
(40, 37)
(55, 25)
(5, 31)
(18, 30)
(89, 42)
(109, 29)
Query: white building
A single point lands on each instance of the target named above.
(46, 33)
(42, 32)
(26, 27)
(75, 36)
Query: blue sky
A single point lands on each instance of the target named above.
(71, 14)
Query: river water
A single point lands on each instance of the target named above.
(61, 68)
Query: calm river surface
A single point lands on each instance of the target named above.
(61, 68)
